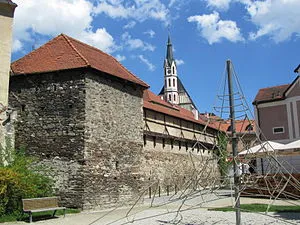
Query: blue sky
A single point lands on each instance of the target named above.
(260, 37)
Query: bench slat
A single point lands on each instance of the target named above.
(44, 209)
(32, 205)
(39, 203)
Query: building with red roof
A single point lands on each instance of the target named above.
(277, 111)
(105, 135)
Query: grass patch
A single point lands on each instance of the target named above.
(37, 215)
(260, 208)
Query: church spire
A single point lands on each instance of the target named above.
(170, 88)
(169, 56)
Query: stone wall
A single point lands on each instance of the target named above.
(177, 153)
(50, 125)
(113, 149)
(176, 167)
(88, 127)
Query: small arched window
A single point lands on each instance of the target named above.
(174, 82)
(173, 70)
(174, 97)
(170, 98)
(169, 81)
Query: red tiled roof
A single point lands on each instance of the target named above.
(241, 126)
(270, 94)
(64, 52)
(155, 103)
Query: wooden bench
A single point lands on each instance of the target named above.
(32, 205)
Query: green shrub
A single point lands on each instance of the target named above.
(222, 154)
(22, 178)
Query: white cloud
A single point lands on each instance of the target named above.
(113, 9)
(17, 46)
(213, 29)
(179, 62)
(130, 25)
(136, 43)
(151, 33)
(120, 57)
(101, 39)
(151, 67)
(72, 17)
(178, 4)
(219, 4)
(278, 19)
(139, 10)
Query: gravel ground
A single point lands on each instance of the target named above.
(164, 211)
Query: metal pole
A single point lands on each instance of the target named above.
(234, 146)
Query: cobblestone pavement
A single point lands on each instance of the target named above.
(165, 211)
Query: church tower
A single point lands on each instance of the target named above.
(170, 70)
(173, 90)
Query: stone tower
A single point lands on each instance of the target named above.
(7, 9)
(170, 70)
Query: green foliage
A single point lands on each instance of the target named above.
(222, 154)
(261, 208)
(22, 178)
(24, 217)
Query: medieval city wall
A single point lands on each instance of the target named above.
(113, 142)
(178, 154)
(89, 127)
(50, 125)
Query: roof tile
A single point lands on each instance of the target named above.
(270, 94)
(64, 52)
(155, 103)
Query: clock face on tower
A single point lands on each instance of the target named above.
(169, 71)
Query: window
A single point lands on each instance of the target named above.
(174, 98)
(278, 130)
(174, 82)
(169, 81)
(173, 70)
(170, 97)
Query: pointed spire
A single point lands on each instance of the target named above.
(169, 56)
